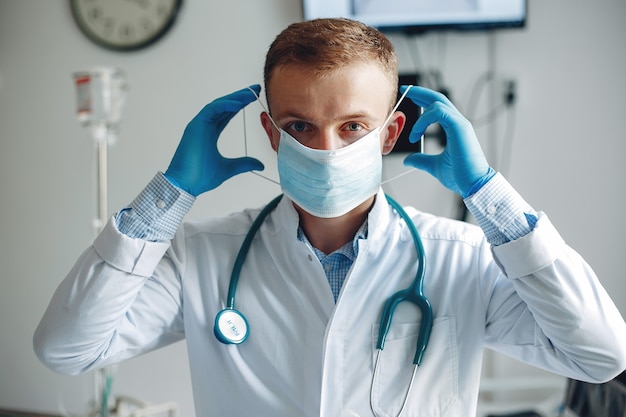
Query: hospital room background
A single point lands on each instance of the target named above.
(548, 101)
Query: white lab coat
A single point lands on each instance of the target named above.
(306, 355)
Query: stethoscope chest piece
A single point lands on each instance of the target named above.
(231, 327)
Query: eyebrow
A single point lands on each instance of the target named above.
(350, 116)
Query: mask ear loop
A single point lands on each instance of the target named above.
(264, 108)
(421, 139)
(396, 107)
(245, 135)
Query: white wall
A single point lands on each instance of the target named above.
(569, 65)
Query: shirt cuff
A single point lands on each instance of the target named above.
(501, 212)
(156, 213)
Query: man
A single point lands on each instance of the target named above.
(325, 260)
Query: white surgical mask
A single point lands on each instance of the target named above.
(330, 183)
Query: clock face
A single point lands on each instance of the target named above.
(124, 25)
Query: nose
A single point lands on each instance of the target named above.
(326, 140)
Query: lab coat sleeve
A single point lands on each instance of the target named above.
(112, 305)
(556, 314)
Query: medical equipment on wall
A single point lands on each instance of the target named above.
(231, 326)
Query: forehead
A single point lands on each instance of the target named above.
(359, 88)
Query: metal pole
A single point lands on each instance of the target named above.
(102, 203)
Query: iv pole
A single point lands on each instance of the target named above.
(102, 135)
(102, 138)
(100, 96)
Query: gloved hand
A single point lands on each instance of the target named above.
(462, 166)
(197, 165)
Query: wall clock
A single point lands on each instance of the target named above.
(125, 25)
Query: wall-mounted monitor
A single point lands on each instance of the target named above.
(423, 15)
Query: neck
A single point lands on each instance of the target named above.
(328, 235)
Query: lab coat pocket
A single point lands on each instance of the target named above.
(435, 388)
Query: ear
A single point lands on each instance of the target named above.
(393, 130)
(270, 130)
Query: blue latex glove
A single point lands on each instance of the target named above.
(197, 165)
(462, 166)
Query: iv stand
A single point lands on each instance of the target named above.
(100, 100)
(101, 93)
(102, 135)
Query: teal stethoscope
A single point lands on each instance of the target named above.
(231, 326)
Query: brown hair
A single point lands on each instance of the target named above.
(324, 45)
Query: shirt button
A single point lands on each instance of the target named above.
(160, 204)
(310, 258)
(491, 209)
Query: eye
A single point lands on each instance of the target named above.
(298, 126)
(300, 130)
(354, 127)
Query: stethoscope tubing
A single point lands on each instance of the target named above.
(414, 293)
(245, 247)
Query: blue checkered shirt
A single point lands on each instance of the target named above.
(338, 263)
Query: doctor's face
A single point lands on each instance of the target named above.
(331, 111)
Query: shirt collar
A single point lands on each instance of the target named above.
(350, 250)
